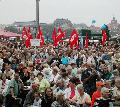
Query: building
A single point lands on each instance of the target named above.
(64, 23)
(113, 25)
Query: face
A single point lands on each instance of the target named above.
(60, 84)
(40, 77)
(16, 76)
(8, 67)
(49, 92)
(37, 97)
(105, 69)
(32, 77)
(117, 83)
(81, 91)
(63, 74)
(71, 85)
(61, 97)
(106, 94)
(4, 77)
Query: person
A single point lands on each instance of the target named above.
(9, 72)
(1, 61)
(89, 77)
(37, 100)
(64, 76)
(104, 100)
(106, 74)
(13, 92)
(55, 73)
(5, 84)
(31, 80)
(60, 100)
(48, 98)
(43, 83)
(79, 61)
(116, 91)
(97, 94)
(60, 85)
(82, 98)
(1, 100)
(29, 100)
(70, 92)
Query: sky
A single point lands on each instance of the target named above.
(78, 11)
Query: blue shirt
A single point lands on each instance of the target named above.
(65, 60)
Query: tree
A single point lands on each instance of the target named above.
(13, 29)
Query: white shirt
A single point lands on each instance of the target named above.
(82, 99)
(1, 63)
(37, 103)
(116, 92)
(55, 77)
(68, 93)
(10, 72)
(90, 60)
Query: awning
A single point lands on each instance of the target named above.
(8, 34)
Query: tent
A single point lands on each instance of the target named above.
(8, 34)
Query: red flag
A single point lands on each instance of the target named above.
(104, 37)
(24, 33)
(40, 36)
(86, 41)
(74, 39)
(54, 34)
(29, 36)
(60, 35)
(29, 33)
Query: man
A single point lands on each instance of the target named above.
(82, 98)
(13, 92)
(60, 86)
(43, 83)
(97, 94)
(30, 96)
(104, 100)
(88, 78)
(116, 91)
(1, 61)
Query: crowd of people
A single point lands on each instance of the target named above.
(59, 77)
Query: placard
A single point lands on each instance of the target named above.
(35, 42)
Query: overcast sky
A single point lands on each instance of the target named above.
(77, 11)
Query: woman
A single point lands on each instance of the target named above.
(71, 90)
(60, 101)
(5, 83)
(48, 98)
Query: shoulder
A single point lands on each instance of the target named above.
(54, 104)
(86, 95)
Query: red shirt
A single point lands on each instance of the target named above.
(97, 94)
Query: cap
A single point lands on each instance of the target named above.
(34, 86)
(99, 83)
(60, 92)
(104, 90)
(80, 86)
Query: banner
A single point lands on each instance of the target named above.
(35, 42)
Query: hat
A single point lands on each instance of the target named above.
(60, 92)
(34, 86)
(80, 86)
(104, 90)
(99, 83)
